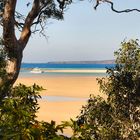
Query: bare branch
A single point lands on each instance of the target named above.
(19, 25)
(19, 21)
(112, 7)
(121, 11)
(19, 15)
(97, 4)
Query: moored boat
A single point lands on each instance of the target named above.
(36, 70)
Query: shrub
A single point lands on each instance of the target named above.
(118, 116)
(18, 116)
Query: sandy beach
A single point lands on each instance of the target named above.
(76, 87)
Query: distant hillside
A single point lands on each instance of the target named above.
(84, 62)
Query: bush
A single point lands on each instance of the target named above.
(118, 116)
(18, 116)
(17, 112)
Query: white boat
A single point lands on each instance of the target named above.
(36, 70)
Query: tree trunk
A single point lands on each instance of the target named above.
(13, 64)
(13, 68)
(11, 46)
(14, 47)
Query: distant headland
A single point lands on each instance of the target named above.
(84, 62)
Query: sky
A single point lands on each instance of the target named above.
(85, 34)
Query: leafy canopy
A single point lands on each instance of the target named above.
(36, 13)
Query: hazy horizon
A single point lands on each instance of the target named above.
(71, 61)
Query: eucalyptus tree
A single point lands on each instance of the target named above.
(39, 11)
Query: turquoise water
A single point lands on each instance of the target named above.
(65, 69)
(66, 66)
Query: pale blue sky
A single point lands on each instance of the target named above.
(85, 34)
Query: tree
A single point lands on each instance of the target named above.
(118, 116)
(10, 20)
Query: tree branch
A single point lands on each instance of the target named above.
(48, 9)
(121, 11)
(97, 4)
(26, 31)
(112, 7)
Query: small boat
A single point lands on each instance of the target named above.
(36, 70)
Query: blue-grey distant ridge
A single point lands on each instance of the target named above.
(84, 62)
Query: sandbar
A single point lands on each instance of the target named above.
(68, 86)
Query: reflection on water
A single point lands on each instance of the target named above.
(62, 98)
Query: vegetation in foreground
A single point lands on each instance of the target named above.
(113, 118)
(118, 116)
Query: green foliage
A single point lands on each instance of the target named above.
(18, 116)
(79, 131)
(52, 131)
(17, 112)
(118, 116)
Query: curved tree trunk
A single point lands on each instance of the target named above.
(14, 47)
(11, 45)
